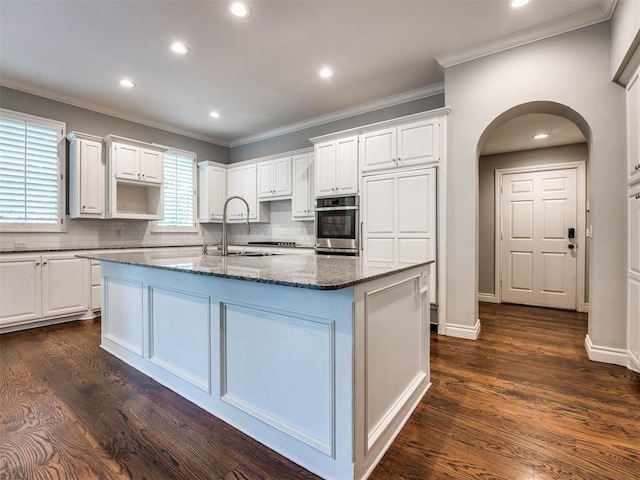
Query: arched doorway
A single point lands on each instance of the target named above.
(533, 207)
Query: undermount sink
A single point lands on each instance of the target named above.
(243, 254)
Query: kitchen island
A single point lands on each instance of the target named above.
(320, 358)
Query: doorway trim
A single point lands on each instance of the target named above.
(582, 207)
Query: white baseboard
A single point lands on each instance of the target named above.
(487, 297)
(463, 331)
(597, 353)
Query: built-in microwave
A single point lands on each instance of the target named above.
(338, 225)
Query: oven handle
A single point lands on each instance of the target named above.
(335, 209)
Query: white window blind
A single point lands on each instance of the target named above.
(179, 186)
(29, 172)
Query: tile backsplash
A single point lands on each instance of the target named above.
(95, 234)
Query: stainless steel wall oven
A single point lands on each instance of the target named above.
(338, 225)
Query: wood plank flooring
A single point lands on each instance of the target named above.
(522, 402)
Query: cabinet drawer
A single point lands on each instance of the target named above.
(95, 274)
(96, 297)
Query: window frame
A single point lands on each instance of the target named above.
(156, 227)
(61, 129)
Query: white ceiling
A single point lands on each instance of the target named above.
(517, 134)
(260, 73)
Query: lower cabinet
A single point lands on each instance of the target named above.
(633, 280)
(40, 287)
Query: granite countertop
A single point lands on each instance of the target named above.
(322, 272)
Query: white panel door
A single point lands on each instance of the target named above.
(91, 178)
(418, 143)
(538, 260)
(217, 192)
(265, 179)
(65, 285)
(417, 215)
(127, 161)
(151, 165)
(379, 218)
(378, 149)
(346, 165)
(236, 208)
(249, 190)
(325, 169)
(633, 127)
(19, 289)
(282, 176)
(301, 203)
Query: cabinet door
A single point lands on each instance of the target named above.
(633, 126)
(347, 165)
(236, 208)
(151, 165)
(282, 177)
(127, 161)
(633, 323)
(634, 231)
(216, 193)
(301, 203)
(325, 169)
(19, 289)
(65, 285)
(91, 178)
(418, 143)
(379, 218)
(416, 213)
(265, 180)
(250, 191)
(378, 150)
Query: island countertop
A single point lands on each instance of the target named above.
(321, 272)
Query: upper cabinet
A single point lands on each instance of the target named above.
(86, 176)
(404, 145)
(212, 178)
(242, 182)
(274, 179)
(134, 179)
(302, 202)
(336, 170)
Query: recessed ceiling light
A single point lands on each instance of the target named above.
(125, 82)
(239, 9)
(179, 48)
(214, 115)
(326, 72)
(518, 3)
(540, 136)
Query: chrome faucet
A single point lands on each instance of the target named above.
(225, 242)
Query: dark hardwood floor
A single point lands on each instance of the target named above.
(522, 402)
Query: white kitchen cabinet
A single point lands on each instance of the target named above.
(20, 298)
(274, 179)
(633, 128)
(399, 217)
(41, 287)
(212, 178)
(242, 182)
(404, 145)
(134, 179)
(302, 203)
(336, 170)
(65, 285)
(86, 176)
(95, 275)
(633, 279)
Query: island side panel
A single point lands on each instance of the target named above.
(391, 360)
(276, 362)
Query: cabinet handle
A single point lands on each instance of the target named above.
(44, 263)
(637, 197)
(84, 207)
(393, 160)
(37, 264)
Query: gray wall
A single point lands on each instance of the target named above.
(87, 121)
(300, 139)
(573, 70)
(486, 211)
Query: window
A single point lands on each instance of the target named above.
(179, 190)
(31, 187)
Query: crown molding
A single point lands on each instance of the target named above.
(391, 101)
(533, 34)
(58, 97)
